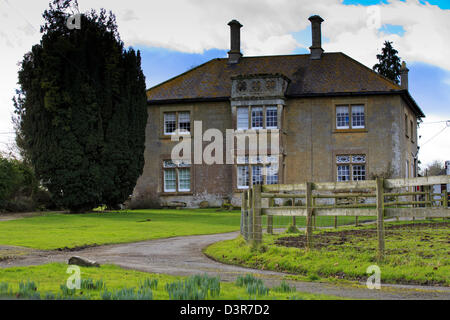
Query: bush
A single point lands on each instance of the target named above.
(19, 204)
(292, 229)
(18, 183)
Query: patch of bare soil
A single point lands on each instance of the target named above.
(79, 248)
(18, 216)
(348, 237)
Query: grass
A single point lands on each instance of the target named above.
(322, 221)
(56, 230)
(112, 282)
(51, 231)
(416, 253)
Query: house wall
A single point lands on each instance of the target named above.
(313, 141)
(209, 183)
(309, 136)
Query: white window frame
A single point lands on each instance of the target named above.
(358, 117)
(184, 118)
(259, 177)
(240, 178)
(174, 180)
(271, 108)
(351, 162)
(261, 110)
(166, 116)
(181, 179)
(242, 117)
(340, 115)
(170, 166)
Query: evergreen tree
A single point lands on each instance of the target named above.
(388, 63)
(81, 110)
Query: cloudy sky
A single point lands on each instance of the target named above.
(174, 35)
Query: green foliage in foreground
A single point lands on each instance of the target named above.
(413, 256)
(54, 230)
(113, 283)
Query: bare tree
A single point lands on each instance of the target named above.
(436, 168)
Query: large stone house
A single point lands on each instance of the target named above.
(334, 119)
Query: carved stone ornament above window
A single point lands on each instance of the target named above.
(270, 85)
(256, 86)
(242, 86)
(359, 159)
(259, 86)
(343, 159)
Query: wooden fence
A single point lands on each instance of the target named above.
(383, 198)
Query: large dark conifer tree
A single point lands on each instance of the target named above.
(81, 109)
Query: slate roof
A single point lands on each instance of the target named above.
(333, 74)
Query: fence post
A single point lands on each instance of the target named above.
(335, 222)
(309, 213)
(294, 219)
(244, 214)
(257, 225)
(250, 216)
(445, 199)
(270, 218)
(380, 218)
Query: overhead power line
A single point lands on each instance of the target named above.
(436, 135)
(447, 122)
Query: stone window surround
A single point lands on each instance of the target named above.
(350, 152)
(177, 110)
(264, 103)
(350, 114)
(164, 158)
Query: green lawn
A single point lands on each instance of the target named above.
(56, 230)
(49, 278)
(416, 253)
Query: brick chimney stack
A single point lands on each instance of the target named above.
(316, 48)
(235, 53)
(404, 76)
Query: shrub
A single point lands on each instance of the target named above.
(292, 229)
(17, 185)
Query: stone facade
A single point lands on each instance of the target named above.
(303, 96)
(310, 144)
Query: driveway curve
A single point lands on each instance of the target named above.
(183, 256)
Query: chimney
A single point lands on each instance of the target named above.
(235, 53)
(316, 48)
(404, 76)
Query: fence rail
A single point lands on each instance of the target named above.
(354, 198)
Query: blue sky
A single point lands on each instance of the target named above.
(443, 4)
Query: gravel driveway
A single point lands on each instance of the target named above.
(183, 256)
